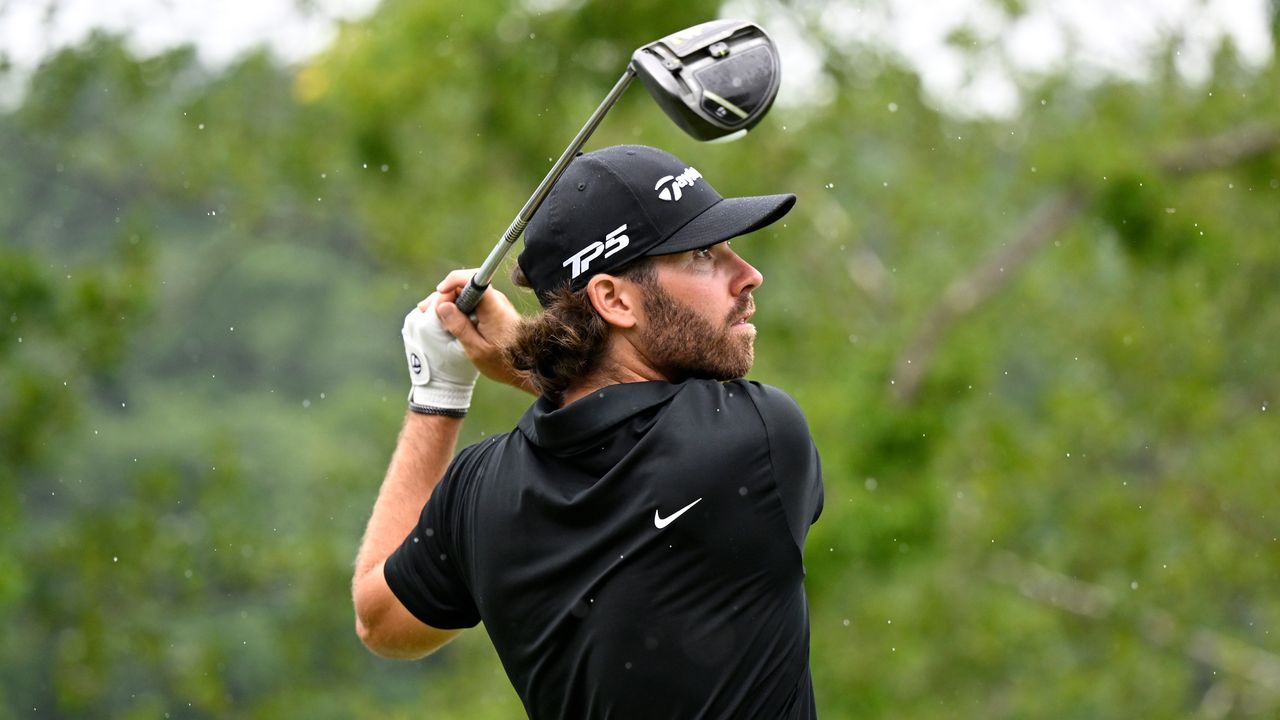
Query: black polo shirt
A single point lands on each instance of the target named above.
(636, 554)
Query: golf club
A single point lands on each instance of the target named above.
(715, 81)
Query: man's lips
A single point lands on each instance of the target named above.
(742, 315)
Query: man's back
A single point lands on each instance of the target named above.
(635, 554)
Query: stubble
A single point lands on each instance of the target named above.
(682, 344)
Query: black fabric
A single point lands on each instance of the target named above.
(548, 534)
(621, 203)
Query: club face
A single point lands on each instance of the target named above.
(713, 80)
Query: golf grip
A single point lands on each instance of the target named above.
(471, 294)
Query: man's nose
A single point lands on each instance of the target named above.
(746, 276)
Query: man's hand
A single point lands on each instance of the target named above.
(496, 320)
(441, 376)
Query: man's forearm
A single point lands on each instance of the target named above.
(422, 455)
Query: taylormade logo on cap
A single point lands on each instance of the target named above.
(669, 186)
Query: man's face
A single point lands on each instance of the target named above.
(697, 312)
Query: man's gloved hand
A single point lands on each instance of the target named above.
(442, 377)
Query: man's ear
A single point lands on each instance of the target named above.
(616, 299)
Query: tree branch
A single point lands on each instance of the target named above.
(1046, 222)
(970, 290)
(1157, 627)
(1220, 151)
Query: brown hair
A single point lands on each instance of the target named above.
(566, 341)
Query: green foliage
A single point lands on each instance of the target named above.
(202, 277)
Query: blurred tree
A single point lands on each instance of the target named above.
(1038, 354)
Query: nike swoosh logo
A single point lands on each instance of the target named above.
(661, 522)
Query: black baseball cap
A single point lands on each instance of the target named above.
(621, 203)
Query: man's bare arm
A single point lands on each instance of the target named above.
(424, 451)
(422, 455)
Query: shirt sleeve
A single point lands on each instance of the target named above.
(797, 468)
(425, 572)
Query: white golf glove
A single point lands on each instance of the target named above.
(442, 377)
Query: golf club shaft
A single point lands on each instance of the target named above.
(471, 294)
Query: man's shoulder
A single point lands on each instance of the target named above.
(485, 447)
(767, 398)
(470, 461)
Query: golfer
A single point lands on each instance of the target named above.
(634, 546)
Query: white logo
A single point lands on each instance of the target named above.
(669, 186)
(661, 522)
(581, 260)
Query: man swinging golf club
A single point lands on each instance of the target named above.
(634, 545)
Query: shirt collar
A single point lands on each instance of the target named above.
(550, 426)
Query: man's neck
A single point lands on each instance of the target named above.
(624, 363)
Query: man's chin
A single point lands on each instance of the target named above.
(736, 370)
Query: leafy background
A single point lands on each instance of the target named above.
(1038, 354)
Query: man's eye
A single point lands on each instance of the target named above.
(702, 253)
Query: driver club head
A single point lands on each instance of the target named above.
(714, 80)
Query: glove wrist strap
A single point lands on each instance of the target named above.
(445, 412)
(440, 399)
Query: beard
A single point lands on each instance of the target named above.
(682, 344)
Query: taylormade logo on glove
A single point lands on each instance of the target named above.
(441, 375)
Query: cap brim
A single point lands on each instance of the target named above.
(726, 219)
